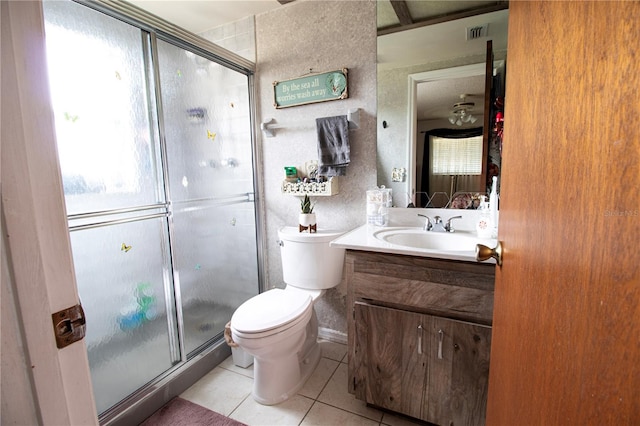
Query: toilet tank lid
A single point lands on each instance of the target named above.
(291, 233)
(271, 309)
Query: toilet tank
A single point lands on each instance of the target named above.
(307, 260)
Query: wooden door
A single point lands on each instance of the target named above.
(391, 348)
(566, 328)
(456, 393)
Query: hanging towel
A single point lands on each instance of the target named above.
(333, 145)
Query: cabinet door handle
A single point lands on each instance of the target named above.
(420, 340)
(440, 338)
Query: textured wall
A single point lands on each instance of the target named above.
(322, 36)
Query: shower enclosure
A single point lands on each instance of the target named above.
(156, 150)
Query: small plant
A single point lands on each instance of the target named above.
(306, 205)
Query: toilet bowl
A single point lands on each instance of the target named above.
(279, 327)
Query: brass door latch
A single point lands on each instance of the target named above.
(69, 325)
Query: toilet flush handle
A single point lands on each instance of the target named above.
(280, 243)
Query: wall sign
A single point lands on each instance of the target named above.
(327, 86)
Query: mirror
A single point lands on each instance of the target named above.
(422, 73)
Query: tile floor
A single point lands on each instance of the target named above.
(323, 400)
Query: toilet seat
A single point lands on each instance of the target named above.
(271, 312)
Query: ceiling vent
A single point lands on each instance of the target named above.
(477, 31)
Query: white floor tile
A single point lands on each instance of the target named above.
(332, 350)
(323, 400)
(287, 413)
(319, 378)
(337, 395)
(220, 390)
(323, 415)
(228, 364)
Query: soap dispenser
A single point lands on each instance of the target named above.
(483, 225)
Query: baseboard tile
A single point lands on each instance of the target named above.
(332, 335)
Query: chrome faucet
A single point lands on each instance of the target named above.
(438, 225)
(427, 222)
(448, 226)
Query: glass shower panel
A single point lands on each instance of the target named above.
(215, 258)
(207, 127)
(121, 272)
(97, 69)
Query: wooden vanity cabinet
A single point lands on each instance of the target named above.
(419, 335)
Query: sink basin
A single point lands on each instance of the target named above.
(417, 238)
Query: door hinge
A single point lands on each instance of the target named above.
(69, 325)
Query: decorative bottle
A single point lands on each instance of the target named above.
(483, 226)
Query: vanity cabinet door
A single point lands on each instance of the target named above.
(391, 357)
(458, 373)
(427, 367)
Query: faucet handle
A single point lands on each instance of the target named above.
(448, 227)
(427, 223)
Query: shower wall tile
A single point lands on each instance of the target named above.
(238, 37)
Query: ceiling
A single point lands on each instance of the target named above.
(444, 42)
(437, 31)
(393, 16)
(435, 99)
(403, 26)
(198, 16)
(401, 15)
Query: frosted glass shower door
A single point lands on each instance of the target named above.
(121, 271)
(118, 216)
(156, 154)
(207, 128)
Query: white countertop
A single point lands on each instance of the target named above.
(362, 238)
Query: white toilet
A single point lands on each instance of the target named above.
(279, 327)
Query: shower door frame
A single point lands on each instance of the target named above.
(139, 405)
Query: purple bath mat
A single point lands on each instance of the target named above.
(180, 412)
